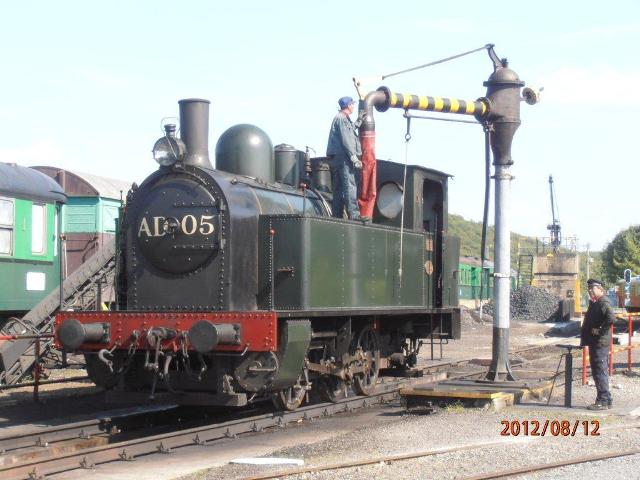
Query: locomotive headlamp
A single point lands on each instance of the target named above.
(169, 149)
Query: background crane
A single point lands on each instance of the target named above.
(554, 228)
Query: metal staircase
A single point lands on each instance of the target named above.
(82, 290)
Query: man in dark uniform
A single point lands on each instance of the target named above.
(344, 151)
(596, 334)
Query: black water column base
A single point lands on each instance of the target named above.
(568, 373)
(500, 370)
(568, 379)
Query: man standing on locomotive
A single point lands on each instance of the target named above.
(343, 152)
(596, 334)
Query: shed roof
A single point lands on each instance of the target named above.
(80, 184)
(24, 182)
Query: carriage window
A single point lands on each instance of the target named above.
(6, 226)
(38, 228)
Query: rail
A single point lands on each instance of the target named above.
(202, 435)
(18, 464)
(457, 449)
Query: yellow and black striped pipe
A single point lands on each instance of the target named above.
(478, 108)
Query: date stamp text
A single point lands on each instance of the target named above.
(554, 428)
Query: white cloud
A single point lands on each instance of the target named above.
(104, 79)
(601, 86)
(42, 152)
(447, 25)
(600, 32)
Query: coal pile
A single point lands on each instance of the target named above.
(531, 304)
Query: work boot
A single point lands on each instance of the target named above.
(598, 406)
(362, 219)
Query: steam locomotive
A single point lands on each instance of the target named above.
(236, 284)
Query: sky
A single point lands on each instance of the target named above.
(86, 86)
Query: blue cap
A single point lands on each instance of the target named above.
(344, 102)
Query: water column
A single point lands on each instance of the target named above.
(503, 93)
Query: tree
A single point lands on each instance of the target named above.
(623, 252)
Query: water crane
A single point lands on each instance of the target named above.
(554, 228)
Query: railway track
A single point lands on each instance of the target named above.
(71, 447)
(55, 449)
(17, 438)
(508, 473)
(448, 366)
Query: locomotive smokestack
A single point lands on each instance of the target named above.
(194, 131)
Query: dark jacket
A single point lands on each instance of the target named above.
(343, 139)
(600, 317)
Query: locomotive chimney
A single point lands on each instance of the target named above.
(194, 131)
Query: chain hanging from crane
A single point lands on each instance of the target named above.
(488, 128)
(407, 138)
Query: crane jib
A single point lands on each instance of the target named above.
(476, 108)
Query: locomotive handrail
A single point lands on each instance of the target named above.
(25, 337)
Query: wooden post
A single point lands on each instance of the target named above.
(629, 346)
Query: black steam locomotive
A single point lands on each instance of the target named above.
(236, 284)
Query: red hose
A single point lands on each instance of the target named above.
(367, 198)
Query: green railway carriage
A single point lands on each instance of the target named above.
(90, 214)
(475, 283)
(29, 266)
(470, 278)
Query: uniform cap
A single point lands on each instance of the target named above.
(344, 102)
(592, 282)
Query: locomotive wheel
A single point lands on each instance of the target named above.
(292, 397)
(365, 383)
(332, 388)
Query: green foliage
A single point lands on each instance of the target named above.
(470, 234)
(623, 252)
(596, 268)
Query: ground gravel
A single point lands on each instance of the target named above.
(390, 430)
(454, 426)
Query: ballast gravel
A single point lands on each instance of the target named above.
(392, 431)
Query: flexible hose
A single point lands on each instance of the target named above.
(485, 214)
